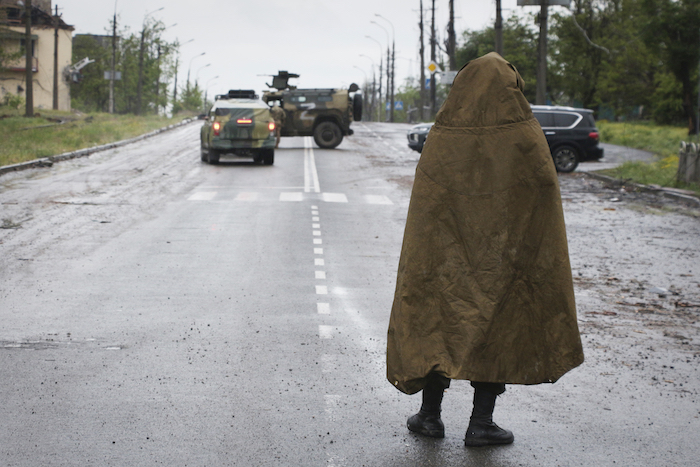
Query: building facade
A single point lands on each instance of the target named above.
(52, 48)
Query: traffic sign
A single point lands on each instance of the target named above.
(433, 67)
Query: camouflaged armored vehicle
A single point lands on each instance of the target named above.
(238, 123)
(325, 114)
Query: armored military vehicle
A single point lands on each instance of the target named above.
(238, 123)
(325, 114)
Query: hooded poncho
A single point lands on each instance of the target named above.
(484, 290)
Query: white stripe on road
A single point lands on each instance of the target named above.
(318, 251)
(325, 331)
(202, 196)
(310, 173)
(319, 262)
(291, 196)
(321, 290)
(377, 199)
(320, 274)
(334, 197)
(318, 241)
(323, 308)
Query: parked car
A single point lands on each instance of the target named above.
(571, 134)
(417, 134)
(238, 123)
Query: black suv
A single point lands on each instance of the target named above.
(571, 134)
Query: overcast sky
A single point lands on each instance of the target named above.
(321, 40)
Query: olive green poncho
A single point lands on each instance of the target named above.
(484, 289)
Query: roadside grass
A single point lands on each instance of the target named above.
(662, 141)
(51, 133)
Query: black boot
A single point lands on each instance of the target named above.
(482, 431)
(427, 421)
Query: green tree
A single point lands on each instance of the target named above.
(672, 29)
(92, 93)
(519, 48)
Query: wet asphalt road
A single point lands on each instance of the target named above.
(155, 310)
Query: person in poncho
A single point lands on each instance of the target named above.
(484, 290)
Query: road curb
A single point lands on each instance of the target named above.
(49, 161)
(667, 193)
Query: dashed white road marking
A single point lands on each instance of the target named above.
(291, 196)
(325, 331)
(315, 219)
(202, 196)
(318, 251)
(319, 262)
(320, 274)
(318, 241)
(315, 226)
(323, 308)
(377, 199)
(334, 197)
(321, 290)
(317, 233)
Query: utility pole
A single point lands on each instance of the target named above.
(177, 60)
(451, 38)
(498, 28)
(114, 60)
(541, 90)
(29, 73)
(421, 101)
(432, 58)
(139, 88)
(55, 60)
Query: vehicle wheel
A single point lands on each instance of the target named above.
(357, 107)
(203, 155)
(268, 156)
(213, 156)
(328, 135)
(565, 159)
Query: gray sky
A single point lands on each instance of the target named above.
(322, 40)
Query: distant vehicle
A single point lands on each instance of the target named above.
(325, 114)
(238, 123)
(571, 135)
(417, 134)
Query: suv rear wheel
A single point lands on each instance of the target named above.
(328, 135)
(268, 156)
(565, 158)
(213, 156)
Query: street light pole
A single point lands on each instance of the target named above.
(206, 92)
(177, 62)
(393, 63)
(372, 100)
(114, 59)
(139, 90)
(189, 68)
(29, 73)
(388, 71)
(379, 107)
(196, 76)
